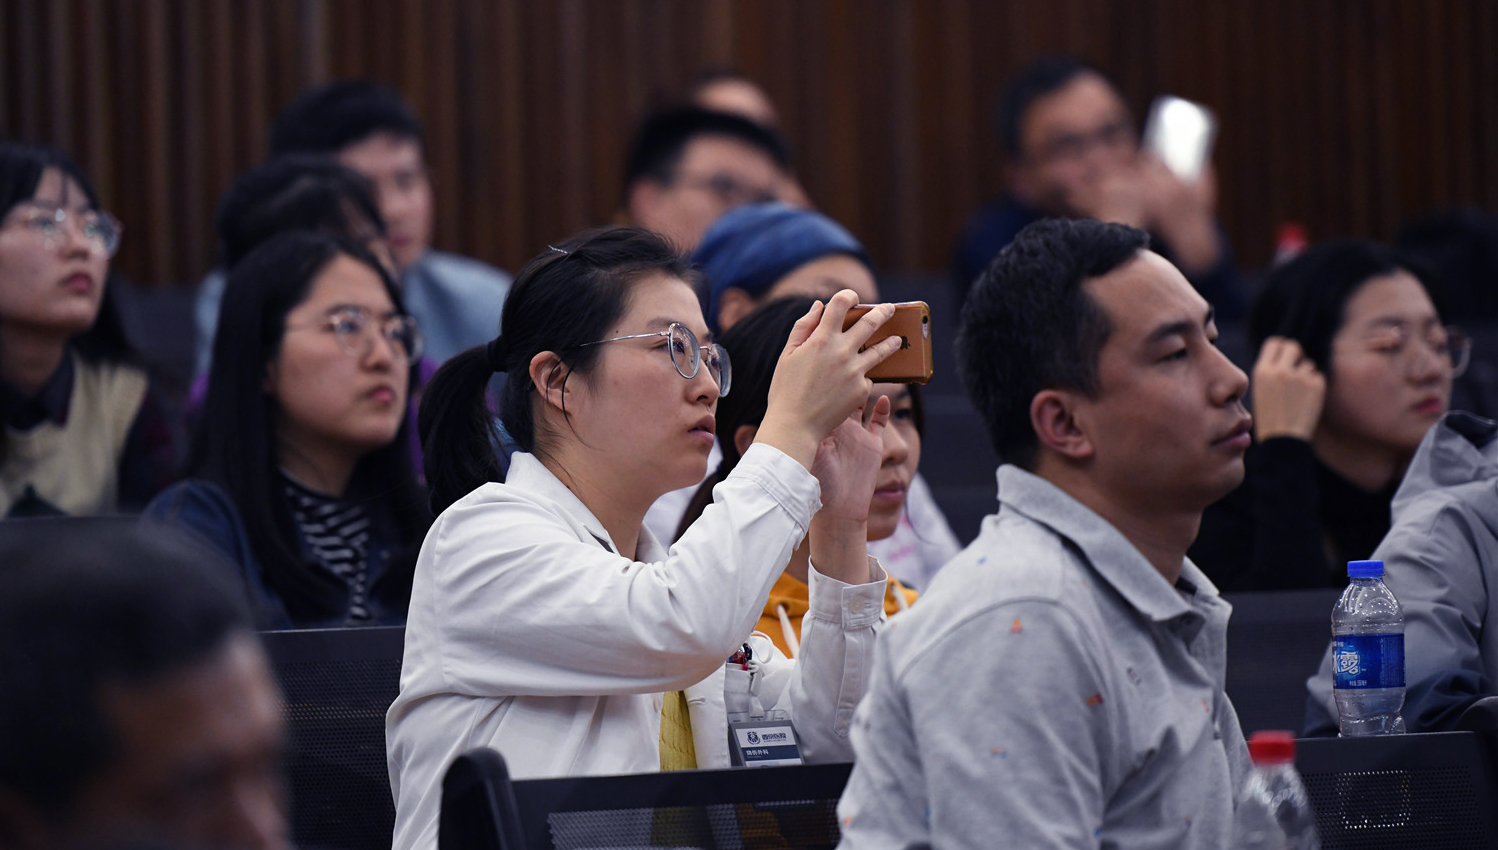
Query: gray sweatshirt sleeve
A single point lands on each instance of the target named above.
(1434, 562)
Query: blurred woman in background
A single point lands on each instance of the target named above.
(1354, 365)
(84, 431)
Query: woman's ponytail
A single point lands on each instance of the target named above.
(459, 442)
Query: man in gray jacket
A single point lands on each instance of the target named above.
(1060, 683)
(1441, 560)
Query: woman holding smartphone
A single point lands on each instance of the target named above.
(545, 620)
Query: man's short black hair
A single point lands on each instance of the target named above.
(329, 118)
(85, 604)
(1029, 325)
(662, 137)
(1038, 79)
(294, 192)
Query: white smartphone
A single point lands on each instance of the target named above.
(1181, 134)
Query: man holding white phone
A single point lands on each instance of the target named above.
(1073, 150)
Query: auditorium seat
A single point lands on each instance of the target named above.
(337, 684)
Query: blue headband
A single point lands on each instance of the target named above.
(754, 246)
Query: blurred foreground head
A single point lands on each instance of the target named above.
(139, 709)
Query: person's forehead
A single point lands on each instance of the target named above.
(380, 153)
(824, 276)
(1396, 296)
(1083, 103)
(56, 188)
(716, 152)
(657, 300)
(1144, 294)
(345, 280)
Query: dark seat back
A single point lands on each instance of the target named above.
(1276, 640)
(1434, 791)
(782, 807)
(338, 683)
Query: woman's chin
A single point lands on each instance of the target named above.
(881, 526)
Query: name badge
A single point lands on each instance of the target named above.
(762, 743)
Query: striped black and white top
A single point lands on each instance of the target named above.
(337, 533)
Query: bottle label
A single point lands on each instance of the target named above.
(1368, 661)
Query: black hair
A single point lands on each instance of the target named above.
(235, 443)
(662, 137)
(563, 298)
(754, 346)
(21, 170)
(1306, 298)
(92, 603)
(294, 192)
(1030, 325)
(1041, 77)
(331, 117)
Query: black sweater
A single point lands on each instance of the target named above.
(1293, 523)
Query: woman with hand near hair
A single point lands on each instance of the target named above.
(1354, 366)
(300, 469)
(84, 431)
(546, 621)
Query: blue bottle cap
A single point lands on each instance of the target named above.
(1365, 569)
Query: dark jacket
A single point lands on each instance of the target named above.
(205, 509)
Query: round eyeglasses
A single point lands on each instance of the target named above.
(1398, 342)
(356, 330)
(688, 355)
(99, 229)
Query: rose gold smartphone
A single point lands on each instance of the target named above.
(912, 324)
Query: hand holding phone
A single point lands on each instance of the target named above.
(912, 323)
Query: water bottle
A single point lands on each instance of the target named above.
(1368, 654)
(1274, 812)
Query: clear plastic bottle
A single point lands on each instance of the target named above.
(1274, 812)
(1368, 654)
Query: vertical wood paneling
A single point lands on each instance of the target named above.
(1351, 116)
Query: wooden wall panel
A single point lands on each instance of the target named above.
(1350, 116)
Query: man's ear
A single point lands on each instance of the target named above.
(1053, 415)
(549, 375)
(733, 304)
(744, 437)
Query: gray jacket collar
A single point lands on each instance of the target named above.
(1111, 554)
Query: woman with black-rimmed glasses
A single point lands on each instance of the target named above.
(83, 429)
(1355, 364)
(546, 621)
(299, 463)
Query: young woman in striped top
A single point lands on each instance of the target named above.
(300, 468)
